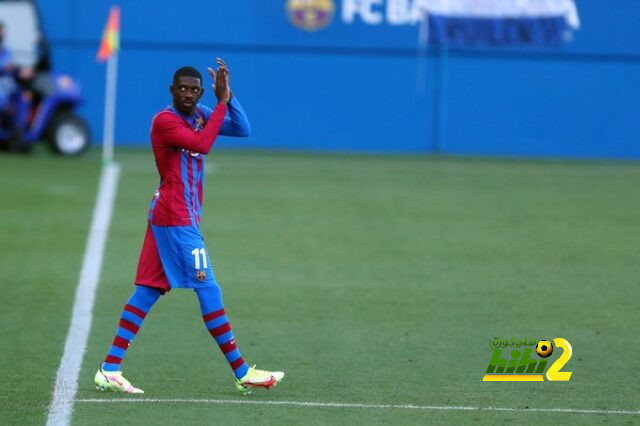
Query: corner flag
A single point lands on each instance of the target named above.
(109, 47)
(111, 37)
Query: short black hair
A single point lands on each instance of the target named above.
(186, 72)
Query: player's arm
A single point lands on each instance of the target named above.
(236, 122)
(170, 130)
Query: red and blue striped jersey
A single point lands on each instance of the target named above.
(180, 144)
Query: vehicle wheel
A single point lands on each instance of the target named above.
(68, 134)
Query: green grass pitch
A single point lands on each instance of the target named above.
(369, 280)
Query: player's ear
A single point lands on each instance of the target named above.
(171, 89)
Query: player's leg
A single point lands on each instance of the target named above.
(217, 324)
(133, 314)
(186, 263)
(152, 282)
(109, 376)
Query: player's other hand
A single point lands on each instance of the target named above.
(221, 81)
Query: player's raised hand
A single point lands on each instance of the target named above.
(221, 66)
(221, 85)
(212, 73)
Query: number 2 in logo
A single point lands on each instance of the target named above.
(197, 252)
(554, 373)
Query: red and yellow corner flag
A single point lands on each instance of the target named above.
(111, 37)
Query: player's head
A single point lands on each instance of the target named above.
(186, 89)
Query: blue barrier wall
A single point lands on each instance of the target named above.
(356, 86)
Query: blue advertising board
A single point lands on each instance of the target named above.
(372, 75)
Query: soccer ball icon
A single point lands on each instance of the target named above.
(544, 348)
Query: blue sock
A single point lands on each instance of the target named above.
(136, 309)
(216, 321)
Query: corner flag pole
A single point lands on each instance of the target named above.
(109, 47)
(110, 108)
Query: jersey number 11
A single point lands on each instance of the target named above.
(196, 255)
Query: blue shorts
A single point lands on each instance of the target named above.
(185, 258)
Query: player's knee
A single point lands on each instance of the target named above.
(210, 294)
(149, 294)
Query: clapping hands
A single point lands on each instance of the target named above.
(221, 81)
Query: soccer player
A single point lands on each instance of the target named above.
(173, 253)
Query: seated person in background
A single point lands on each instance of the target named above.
(14, 101)
(7, 80)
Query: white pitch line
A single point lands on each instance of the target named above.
(355, 405)
(67, 378)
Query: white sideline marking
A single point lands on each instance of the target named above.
(355, 405)
(67, 378)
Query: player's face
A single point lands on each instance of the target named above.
(186, 93)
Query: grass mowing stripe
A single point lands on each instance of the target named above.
(355, 405)
(76, 343)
